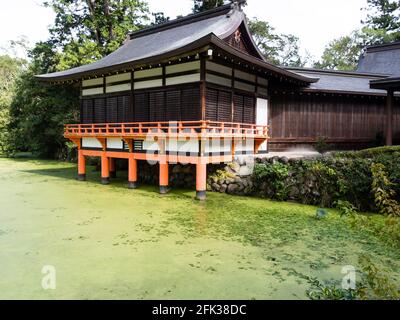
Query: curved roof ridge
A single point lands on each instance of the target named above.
(191, 18)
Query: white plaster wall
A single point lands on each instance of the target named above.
(114, 143)
(218, 146)
(91, 143)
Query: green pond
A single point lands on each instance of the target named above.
(108, 242)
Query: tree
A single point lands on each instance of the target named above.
(203, 5)
(10, 68)
(88, 30)
(280, 49)
(342, 53)
(382, 24)
(83, 31)
(159, 18)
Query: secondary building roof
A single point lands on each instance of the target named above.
(341, 81)
(188, 34)
(383, 59)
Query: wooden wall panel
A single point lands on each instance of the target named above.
(224, 106)
(141, 107)
(99, 107)
(190, 107)
(173, 105)
(112, 110)
(211, 104)
(238, 102)
(157, 106)
(304, 117)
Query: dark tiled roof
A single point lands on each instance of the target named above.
(381, 59)
(160, 41)
(341, 82)
(176, 38)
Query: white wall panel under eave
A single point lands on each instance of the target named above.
(118, 88)
(218, 68)
(148, 73)
(92, 82)
(119, 78)
(183, 79)
(211, 78)
(91, 143)
(91, 92)
(148, 84)
(183, 67)
(115, 143)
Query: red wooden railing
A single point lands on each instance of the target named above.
(185, 128)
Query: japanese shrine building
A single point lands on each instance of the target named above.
(197, 90)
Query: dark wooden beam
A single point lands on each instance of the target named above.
(389, 117)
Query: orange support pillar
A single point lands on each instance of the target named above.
(105, 170)
(81, 166)
(132, 179)
(113, 170)
(164, 178)
(201, 181)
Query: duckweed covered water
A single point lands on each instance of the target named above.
(108, 242)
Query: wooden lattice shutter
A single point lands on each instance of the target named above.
(190, 104)
(238, 108)
(99, 111)
(211, 104)
(249, 110)
(141, 107)
(112, 110)
(125, 111)
(157, 106)
(173, 105)
(224, 106)
(87, 111)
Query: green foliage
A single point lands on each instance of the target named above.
(383, 21)
(345, 208)
(321, 145)
(275, 175)
(384, 194)
(221, 175)
(204, 5)
(10, 68)
(374, 284)
(320, 291)
(280, 49)
(83, 32)
(38, 114)
(88, 30)
(382, 25)
(342, 53)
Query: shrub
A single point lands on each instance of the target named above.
(345, 208)
(321, 145)
(276, 176)
(373, 285)
(384, 194)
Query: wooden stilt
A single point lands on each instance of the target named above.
(132, 173)
(113, 170)
(105, 169)
(81, 166)
(201, 181)
(164, 178)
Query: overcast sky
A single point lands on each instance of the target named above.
(315, 22)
